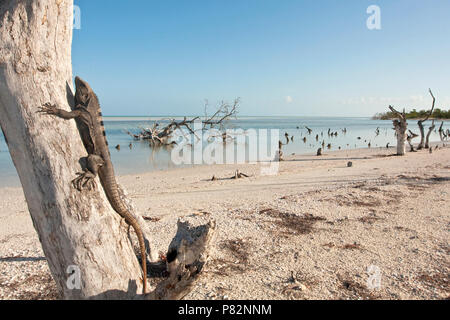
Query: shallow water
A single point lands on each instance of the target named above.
(142, 158)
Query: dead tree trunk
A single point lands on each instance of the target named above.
(441, 131)
(79, 232)
(409, 138)
(430, 130)
(420, 124)
(400, 126)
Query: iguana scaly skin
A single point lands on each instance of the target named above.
(88, 116)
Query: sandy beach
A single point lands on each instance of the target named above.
(316, 230)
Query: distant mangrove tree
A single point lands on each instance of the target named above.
(414, 114)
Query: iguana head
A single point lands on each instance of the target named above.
(83, 92)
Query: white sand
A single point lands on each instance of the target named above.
(390, 212)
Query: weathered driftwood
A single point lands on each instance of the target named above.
(78, 231)
(420, 123)
(400, 127)
(279, 156)
(237, 175)
(430, 130)
(441, 131)
(409, 138)
(161, 135)
(186, 258)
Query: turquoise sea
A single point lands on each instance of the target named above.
(141, 157)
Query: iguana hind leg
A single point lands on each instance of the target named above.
(86, 179)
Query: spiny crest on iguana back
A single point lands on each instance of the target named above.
(86, 97)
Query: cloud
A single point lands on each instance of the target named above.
(289, 99)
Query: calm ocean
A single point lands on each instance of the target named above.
(141, 158)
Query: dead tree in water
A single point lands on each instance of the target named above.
(420, 123)
(441, 132)
(427, 141)
(280, 151)
(159, 135)
(400, 127)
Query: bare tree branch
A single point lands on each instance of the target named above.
(420, 123)
(161, 135)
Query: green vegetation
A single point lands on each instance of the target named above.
(414, 114)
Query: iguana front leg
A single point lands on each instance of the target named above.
(86, 179)
(48, 108)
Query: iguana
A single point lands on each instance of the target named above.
(87, 114)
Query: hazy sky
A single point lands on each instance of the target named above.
(282, 57)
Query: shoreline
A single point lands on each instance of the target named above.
(385, 211)
(312, 154)
(202, 166)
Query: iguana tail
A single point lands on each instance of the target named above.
(140, 237)
(108, 181)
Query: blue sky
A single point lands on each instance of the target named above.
(282, 57)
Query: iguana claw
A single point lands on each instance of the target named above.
(47, 108)
(85, 180)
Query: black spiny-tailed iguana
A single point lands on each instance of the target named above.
(88, 116)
